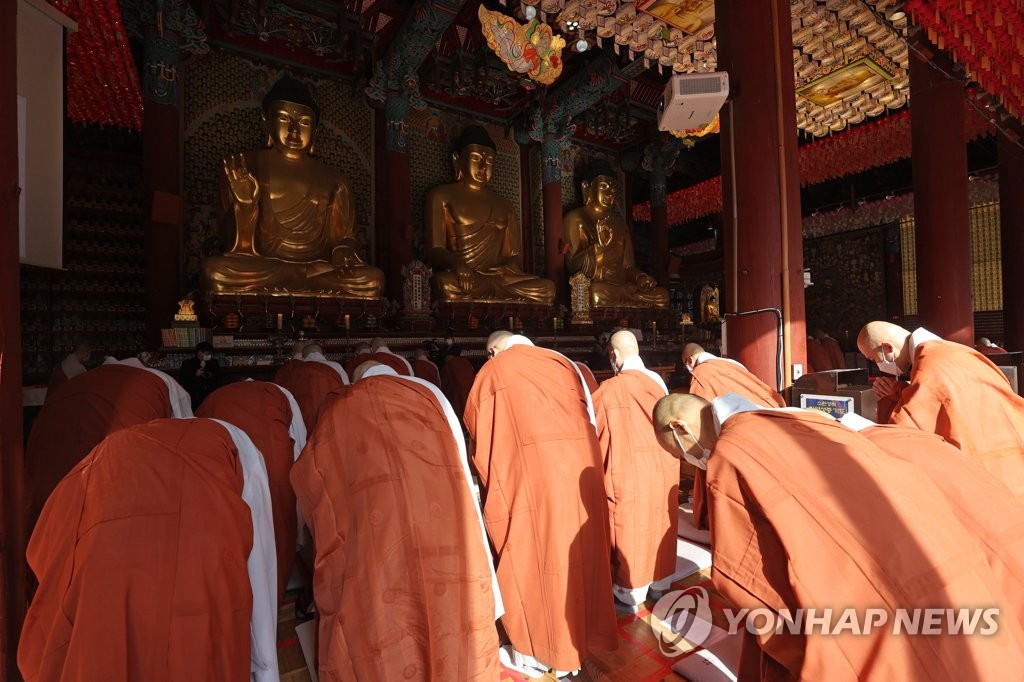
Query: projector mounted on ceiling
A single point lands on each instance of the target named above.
(692, 100)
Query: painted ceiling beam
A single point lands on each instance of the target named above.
(589, 86)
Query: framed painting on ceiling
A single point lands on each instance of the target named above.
(846, 81)
(689, 16)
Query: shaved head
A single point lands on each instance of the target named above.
(363, 368)
(312, 348)
(497, 341)
(421, 354)
(363, 347)
(622, 345)
(984, 341)
(298, 347)
(682, 418)
(377, 343)
(879, 341)
(690, 353)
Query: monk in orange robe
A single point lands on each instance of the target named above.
(536, 452)
(362, 354)
(385, 356)
(269, 415)
(312, 384)
(425, 369)
(713, 377)
(457, 376)
(141, 559)
(588, 377)
(986, 347)
(836, 359)
(806, 513)
(998, 524)
(80, 414)
(642, 479)
(817, 357)
(955, 392)
(404, 586)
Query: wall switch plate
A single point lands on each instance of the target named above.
(798, 371)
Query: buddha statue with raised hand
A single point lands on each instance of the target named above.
(474, 233)
(290, 219)
(600, 246)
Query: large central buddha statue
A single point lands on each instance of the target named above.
(600, 246)
(474, 234)
(290, 219)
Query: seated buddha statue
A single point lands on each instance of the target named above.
(290, 219)
(474, 233)
(600, 246)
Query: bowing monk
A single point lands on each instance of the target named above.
(954, 391)
(70, 367)
(832, 349)
(818, 359)
(539, 462)
(155, 562)
(85, 410)
(269, 415)
(313, 352)
(791, 529)
(312, 384)
(713, 377)
(986, 347)
(457, 376)
(385, 356)
(424, 368)
(362, 354)
(641, 479)
(403, 584)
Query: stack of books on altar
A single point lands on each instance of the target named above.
(184, 337)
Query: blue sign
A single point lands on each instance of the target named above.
(832, 405)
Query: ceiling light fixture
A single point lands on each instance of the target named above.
(529, 11)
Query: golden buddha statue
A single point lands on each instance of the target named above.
(290, 219)
(600, 246)
(474, 233)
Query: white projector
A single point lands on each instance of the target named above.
(692, 100)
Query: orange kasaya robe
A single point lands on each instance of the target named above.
(427, 371)
(588, 377)
(281, 377)
(957, 393)
(834, 352)
(817, 357)
(642, 480)
(141, 560)
(402, 580)
(80, 414)
(990, 350)
(538, 458)
(395, 362)
(457, 376)
(355, 361)
(806, 513)
(998, 523)
(712, 379)
(262, 411)
(312, 384)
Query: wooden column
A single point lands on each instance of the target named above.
(941, 222)
(553, 233)
(763, 246)
(659, 225)
(12, 523)
(1011, 228)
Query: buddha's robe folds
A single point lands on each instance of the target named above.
(806, 513)
(536, 452)
(269, 415)
(712, 378)
(80, 414)
(141, 559)
(426, 370)
(457, 376)
(313, 385)
(642, 480)
(403, 581)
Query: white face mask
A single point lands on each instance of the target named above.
(699, 462)
(889, 366)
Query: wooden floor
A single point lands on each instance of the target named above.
(637, 658)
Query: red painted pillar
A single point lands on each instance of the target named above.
(393, 200)
(1011, 227)
(553, 233)
(763, 245)
(12, 519)
(941, 222)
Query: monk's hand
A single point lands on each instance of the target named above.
(242, 182)
(344, 258)
(885, 387)
(466, 276)
(645, 282)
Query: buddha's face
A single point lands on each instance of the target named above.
(476, 164)
(603, 190)
(291, 126)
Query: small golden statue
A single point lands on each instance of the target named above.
(186, 311)
(289, 218)
(709, 311)
(474, 233)
(600, 247)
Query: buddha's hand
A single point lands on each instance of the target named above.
(645, 282)
(466, 277)
(885, 387)
(344, 258)
(242, 182)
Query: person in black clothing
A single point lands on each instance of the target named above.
(200, 375)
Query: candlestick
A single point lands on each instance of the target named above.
(510, 327)
(348, 321)
(280, 321)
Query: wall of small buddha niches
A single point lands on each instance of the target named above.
(222, 106)
(848, 271)
(98, 297)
